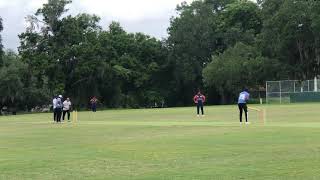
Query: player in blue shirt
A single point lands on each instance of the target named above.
(242, 104)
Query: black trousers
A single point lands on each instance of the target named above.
(59, 113)
(94, 108)
(243, 107)
(200, 106)
(64, 114)
(55, 114)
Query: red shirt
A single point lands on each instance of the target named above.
(199, 98)
(94, 101)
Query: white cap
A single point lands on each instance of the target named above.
(60, 96)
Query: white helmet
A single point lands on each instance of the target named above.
(60, 96)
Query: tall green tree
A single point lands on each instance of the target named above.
(1, 46)
(193, 37)
(238, 67)
(137, 61)
(203, 29)
(241, 21)
(81, 66)
(40, 44)
(291, 34)
(12, 72)
(74, 56)
(18, 88)
(62, 50)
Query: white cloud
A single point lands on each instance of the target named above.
(35, 4)
(29, 4)
(10, 3)
(147, 16)
(129, 9)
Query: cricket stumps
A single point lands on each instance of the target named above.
(74, 116)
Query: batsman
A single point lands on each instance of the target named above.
(242, 104)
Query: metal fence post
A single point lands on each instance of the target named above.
(280, 92)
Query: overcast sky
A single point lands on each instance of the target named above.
(147, 16)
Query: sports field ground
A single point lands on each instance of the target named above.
(164, 144)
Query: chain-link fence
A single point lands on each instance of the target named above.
(290, 91)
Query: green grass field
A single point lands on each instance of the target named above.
(164, 144)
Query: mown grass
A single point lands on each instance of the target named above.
(164, 144)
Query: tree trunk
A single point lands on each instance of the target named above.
(299, 46)
(301, 57)
(223, 96)
(317, 55)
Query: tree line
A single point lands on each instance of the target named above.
(218, 46)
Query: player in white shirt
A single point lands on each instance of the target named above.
(54, 105)
(66, 108)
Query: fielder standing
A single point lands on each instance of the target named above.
(93, 103)
(199, 99)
